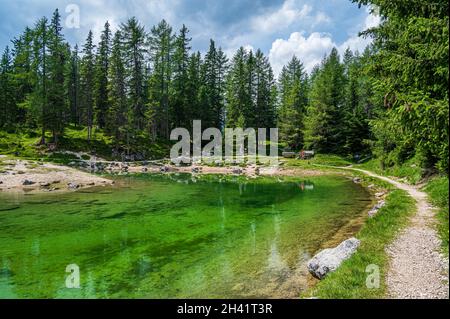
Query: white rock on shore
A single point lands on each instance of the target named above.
(330, 259)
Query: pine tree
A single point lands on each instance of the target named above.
(87, 84)
(214, 81)
(293, 85)
(265, 112)
(119, 115)
(37, 101)
(7, 95)
(22, 72)
(101, 76)
(57, 102)
(161, 54)
(134, 41)
(73, 87)
(324, 124)
(356, 129)
(179, 103)
(193, 87)
(237, 95)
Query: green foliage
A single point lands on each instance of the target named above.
(410, 67)
(293, 87)
(410, 170)
(437, 190)
(136, 86)
(323, 130)
(250, 91)
(102, 104)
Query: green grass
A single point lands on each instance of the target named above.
(24, 145)
(437, 190)
(319, 159)
(410, 170)
(349, 280)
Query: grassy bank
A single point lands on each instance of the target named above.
(320, 162)
(349, 280)
(410, 171)
(25, 145)
(437, 190)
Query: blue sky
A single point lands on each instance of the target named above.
(280, 28)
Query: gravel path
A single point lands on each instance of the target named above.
(417, 268)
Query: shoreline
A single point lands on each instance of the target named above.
(38, 177)
(20, 175)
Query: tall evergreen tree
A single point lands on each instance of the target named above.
(238, 95)
(87, 84)
(119, 114)
(37, 101)
(265, 106)
(22, 72)
(410, 65)
(57, 103)
(134, 41)
(73, 87)
(179, 103)
(161, 54)
(7, 94)
(324, 124)
(214, 84)
(293, 84)
(101, 76)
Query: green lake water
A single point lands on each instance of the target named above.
(175, 236)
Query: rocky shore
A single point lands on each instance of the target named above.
(29, 176)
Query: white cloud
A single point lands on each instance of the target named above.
(249, 48)
(281, 18)
(321, 18)
(309, 50)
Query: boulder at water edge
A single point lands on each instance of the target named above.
(330, 259)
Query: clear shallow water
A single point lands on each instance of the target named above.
(176, 236)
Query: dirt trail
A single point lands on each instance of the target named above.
(417, 268)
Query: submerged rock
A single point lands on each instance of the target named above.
(330, 259)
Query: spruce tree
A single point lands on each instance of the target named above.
(101, 76)
(293, 84)
(87, 84)
(57, 102)
(161, 55)
(134, 41)
(324, 124)
(119, 116)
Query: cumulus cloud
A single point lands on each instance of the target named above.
(290, 12)
(310, 50)
(307, 28)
